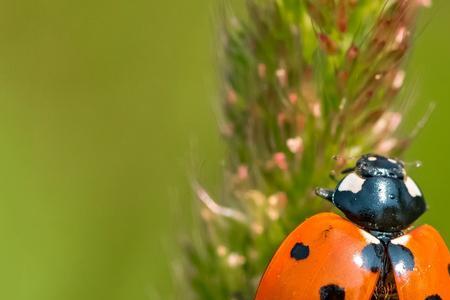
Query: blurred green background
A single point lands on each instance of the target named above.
(104, 108)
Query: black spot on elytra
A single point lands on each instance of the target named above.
(332, 292)
(401, 254)
(372, 257)
(433, 297)
(448, 269)
(299, 251)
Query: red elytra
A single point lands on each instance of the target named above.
(323, 259)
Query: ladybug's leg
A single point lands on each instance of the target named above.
(347, 171)
(325, 193)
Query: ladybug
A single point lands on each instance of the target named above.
(371, 254)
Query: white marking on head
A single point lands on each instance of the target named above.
(370, 239)
(403, 240)
(412, 187)
(372, 158)
(352, 183)
(358, 260)
(393, 161)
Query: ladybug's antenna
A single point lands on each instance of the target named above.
(340, 157)
(325, 194)
(414, 164)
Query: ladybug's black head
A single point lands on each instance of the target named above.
(378, 195)
(371, 165)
